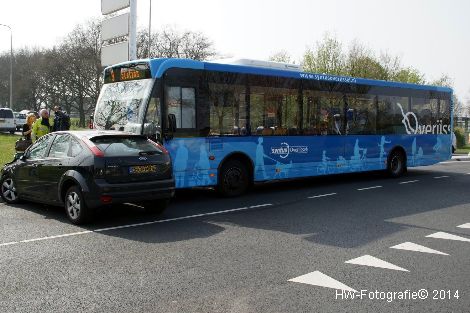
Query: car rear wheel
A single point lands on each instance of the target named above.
(156, 207)
(75, 207)
(8, 190)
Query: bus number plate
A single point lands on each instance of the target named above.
(142, 169)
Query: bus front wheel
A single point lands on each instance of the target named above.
(396, 164)
(233, 179)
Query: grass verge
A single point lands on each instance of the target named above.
(465, 150)
(7, 147)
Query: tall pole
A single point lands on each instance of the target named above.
(11, 64)
(133, 30)
(150, 27)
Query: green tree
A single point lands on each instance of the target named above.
(281, 56)
(361, 62)
(409, 75)
(326, 58)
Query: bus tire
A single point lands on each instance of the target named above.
(396, 164)
(233, 179)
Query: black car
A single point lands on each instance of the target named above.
(83, 170)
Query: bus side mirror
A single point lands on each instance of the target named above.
(172, 122)
(171, 126)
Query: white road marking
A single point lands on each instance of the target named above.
(8, 243)
(135, 225)
(368, 260)
(466, 225)
(444, 176)
(409, 182)
(58, 236)
(410, 246)
(447, 236)
(454, 162)
(367, 188)
(255, 206)
(319, 279)
(325, 195)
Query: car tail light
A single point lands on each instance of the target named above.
(93, 148)
(159, 146)
(106, 199)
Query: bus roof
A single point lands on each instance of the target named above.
(159, 66)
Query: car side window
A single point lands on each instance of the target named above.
(39, 149)
(75, 148)
(60, 146)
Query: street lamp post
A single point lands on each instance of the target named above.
(11, 64)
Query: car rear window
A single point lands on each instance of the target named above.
(125, 146)
(6, 113)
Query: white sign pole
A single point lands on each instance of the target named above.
(133, 30)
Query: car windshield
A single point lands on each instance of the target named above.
(121, 106)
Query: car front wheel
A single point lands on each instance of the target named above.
(75, 207)
(8, 190)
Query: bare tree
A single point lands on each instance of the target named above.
(80, 52)
(172, 43)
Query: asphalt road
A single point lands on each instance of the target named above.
(284, 247)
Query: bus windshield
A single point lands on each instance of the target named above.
(121, 105)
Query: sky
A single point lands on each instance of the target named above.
(432, 36)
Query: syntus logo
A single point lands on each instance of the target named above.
(412, 126)
(285, 150)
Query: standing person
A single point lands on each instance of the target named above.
(22, 144)
(42, 126)
(28, 127)
(61, 120)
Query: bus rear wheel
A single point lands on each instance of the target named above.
(396, 164)
(233, 179)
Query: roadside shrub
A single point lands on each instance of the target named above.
(460, 135)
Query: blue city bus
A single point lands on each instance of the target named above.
(230, 125)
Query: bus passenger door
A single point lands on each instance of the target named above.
(362, 145)
(152, 127)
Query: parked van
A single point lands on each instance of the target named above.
(20, 120)
(7, 120)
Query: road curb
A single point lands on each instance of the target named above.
(461, 157)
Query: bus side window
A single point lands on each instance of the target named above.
(188, 108)
(181, 102)
(173, 103)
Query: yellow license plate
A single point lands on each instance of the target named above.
(142, 169)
